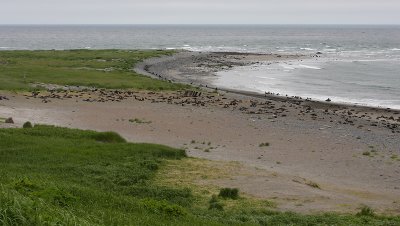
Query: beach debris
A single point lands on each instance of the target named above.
(9, 120)
(139, 121)
(3, 98)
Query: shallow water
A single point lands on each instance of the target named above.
(359, 64)
(358, 82)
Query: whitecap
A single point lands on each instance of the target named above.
(287, 67)
(395, 49)
(310, 67)
(308, 49)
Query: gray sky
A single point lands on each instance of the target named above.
(200, 12)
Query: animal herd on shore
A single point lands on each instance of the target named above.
(274, 110)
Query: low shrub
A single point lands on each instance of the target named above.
(231, 193)
(163, 207)
(366, 211)
(27, 125)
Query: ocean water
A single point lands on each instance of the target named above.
(359, 64)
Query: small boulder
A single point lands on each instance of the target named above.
(328, 100)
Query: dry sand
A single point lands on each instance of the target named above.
(314, 162)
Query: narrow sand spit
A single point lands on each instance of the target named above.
(321, 157)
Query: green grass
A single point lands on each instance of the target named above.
(59, 176)
(97, 68)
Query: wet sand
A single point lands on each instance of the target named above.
(321, 156)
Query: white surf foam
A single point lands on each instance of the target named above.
(310, 67)
(330, 50)
(308, 49)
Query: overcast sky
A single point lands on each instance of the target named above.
(200, 12)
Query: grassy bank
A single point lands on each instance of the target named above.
(59, 176)
(97, 68)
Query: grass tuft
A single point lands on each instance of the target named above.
(313, 185)
(163, 207)
(366, 153)
(366, 211)
(229, 193)
(215, 204)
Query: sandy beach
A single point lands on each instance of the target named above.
(320, 156)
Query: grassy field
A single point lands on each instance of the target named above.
(97, 68)
(59, 176)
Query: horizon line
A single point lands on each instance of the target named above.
(205, 24)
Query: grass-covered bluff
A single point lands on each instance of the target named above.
(59, 176)
(111, 69)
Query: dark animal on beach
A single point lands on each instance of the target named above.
(3, 98)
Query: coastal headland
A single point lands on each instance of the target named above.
(306, 156)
